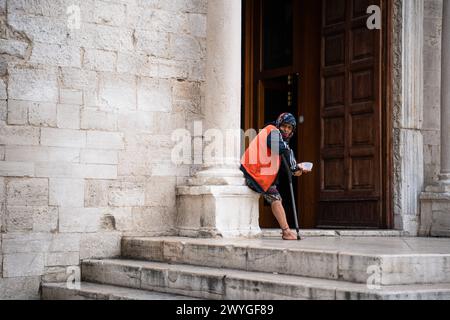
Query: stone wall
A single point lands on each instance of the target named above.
(432, 89)
(86, 112)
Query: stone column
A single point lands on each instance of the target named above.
(445, 97)
(216, 201)
(435, 201)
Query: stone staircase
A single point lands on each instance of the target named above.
(267, 269)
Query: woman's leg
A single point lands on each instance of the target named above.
(280, 215)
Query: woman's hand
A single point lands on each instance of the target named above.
(298, 173)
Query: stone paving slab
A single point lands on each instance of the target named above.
(225, 284)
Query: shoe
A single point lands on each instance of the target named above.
(288, 234)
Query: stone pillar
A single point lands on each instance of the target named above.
(216, 201)
(435, 201)
(445, 97)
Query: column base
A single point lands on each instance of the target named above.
(435, 211)
(216, 211)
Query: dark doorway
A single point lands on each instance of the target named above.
(319, 61)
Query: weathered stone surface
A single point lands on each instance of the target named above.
(23, 288)
(63, 138)
(68, 116)
(23, 265)
(90, 291)
(19, 135)
(100, 245)
(16, 169)
(27, 192)
(79, 220)
(41, 85)
(92, 119)
(34, 219)
(66, 193)
(225, 284)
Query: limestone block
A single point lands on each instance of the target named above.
(195, 6)
(2, 189)
(123, 218)
(105, 140)
(42, 114)
(16, 169)
(108, 37)
(23, 264)
(73, 78)
(41, 85)
(137, 64)
(49, 8)
(65, 242)
(17, 112)
(135, 121)
(14, 48)
(152, 42)
(41, 154)
(19, 136)
(27, 192)
(3, 94)
(71, 97)
(63, 138)
(100, 60)
(92, 119)
(66, 192)
(3, 110)
(68, 116)
(96, 193)
(153, 219)
(94, 171)
(25, 242)
(92, 156)
(154, 95)
(107, 13)
(184, 47)
(126, 194)
(117, 92)
(35, 219)
(62, 259)
(53, 170)
(100, 245)
(40, 28)
(171, 69)
(79, 219)
(160, 191)
(22, 288)
(56, 55)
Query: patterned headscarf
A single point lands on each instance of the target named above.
(289, 119)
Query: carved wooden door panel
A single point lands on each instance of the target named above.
(351, 117)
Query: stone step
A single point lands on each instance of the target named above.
(275, 233)
(228, 284)
(94, 291)
(394, 261)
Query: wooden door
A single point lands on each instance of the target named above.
(337, 73)
(351, 177)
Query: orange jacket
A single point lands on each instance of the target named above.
(259, 161)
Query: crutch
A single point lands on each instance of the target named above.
(289, 173)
